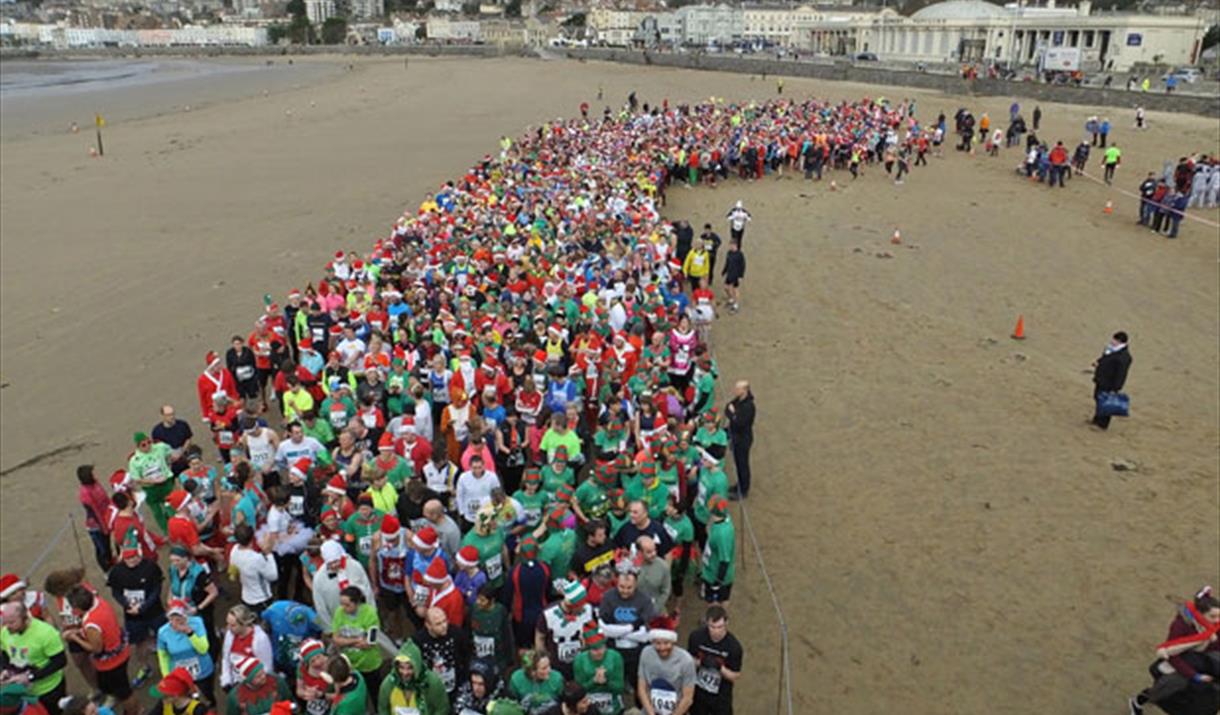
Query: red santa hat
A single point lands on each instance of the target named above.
(339, 255)
(301, 467)
(337, 485)
(178, 684)
(178, 499)
(390, 525)
(386, 442)
(211, 359)
(436, 574)
(10, 583)
(468, 556)
(118, 481)
(425, 538)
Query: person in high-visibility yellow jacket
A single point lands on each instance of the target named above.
(697, 264)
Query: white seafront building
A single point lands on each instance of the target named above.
(61, 36)
(1014, 35)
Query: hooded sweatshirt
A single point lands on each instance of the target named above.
(424, 692)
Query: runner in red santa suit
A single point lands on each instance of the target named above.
(442, 594)
(214, 379)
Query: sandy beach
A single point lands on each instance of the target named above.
(945, 533)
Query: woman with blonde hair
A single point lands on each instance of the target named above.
(244, 636)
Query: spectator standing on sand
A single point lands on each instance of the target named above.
(1110, 373)
(740, 413)
(1037, 117)
(1147, 207)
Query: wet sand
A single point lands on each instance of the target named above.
(944, 531)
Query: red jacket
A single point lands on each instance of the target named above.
(208, 385)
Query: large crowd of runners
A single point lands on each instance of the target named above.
(473, 470)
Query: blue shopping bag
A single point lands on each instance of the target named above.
(1113, 404)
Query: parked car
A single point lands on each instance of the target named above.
(1190, 75)
(866, 57)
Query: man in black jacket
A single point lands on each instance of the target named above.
(734, 270)
(740, 412)
(1110, 373)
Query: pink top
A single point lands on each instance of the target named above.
(96, 502)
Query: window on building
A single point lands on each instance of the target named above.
(1088, 38)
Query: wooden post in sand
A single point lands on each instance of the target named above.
(100, 121)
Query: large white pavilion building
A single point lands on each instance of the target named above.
(1013, 35)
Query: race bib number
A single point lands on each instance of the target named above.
(369, 421)
(404, 710)
(447, 675)
(338, 419)
(296, 505)
(365, 545)
(664, 701)
(224, 438)
(484, 646)
(321, 706)
(153, 472)
(602, 701)
(191, 665)
(244, 372)
(495, 567)
(134, 598)
(708, 680)
(568, 651)
(421, 595)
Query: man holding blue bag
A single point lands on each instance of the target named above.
(1109, 376)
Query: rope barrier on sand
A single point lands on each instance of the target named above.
(1136, 196)
(50, 546)
(784, 703)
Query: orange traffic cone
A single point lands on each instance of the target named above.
(896, 239)
(1109, 209)
(1018, 332)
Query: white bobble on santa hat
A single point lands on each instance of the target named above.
(211, 359)
(436, 574)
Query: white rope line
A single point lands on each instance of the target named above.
(1136, 196)
(779, 613)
